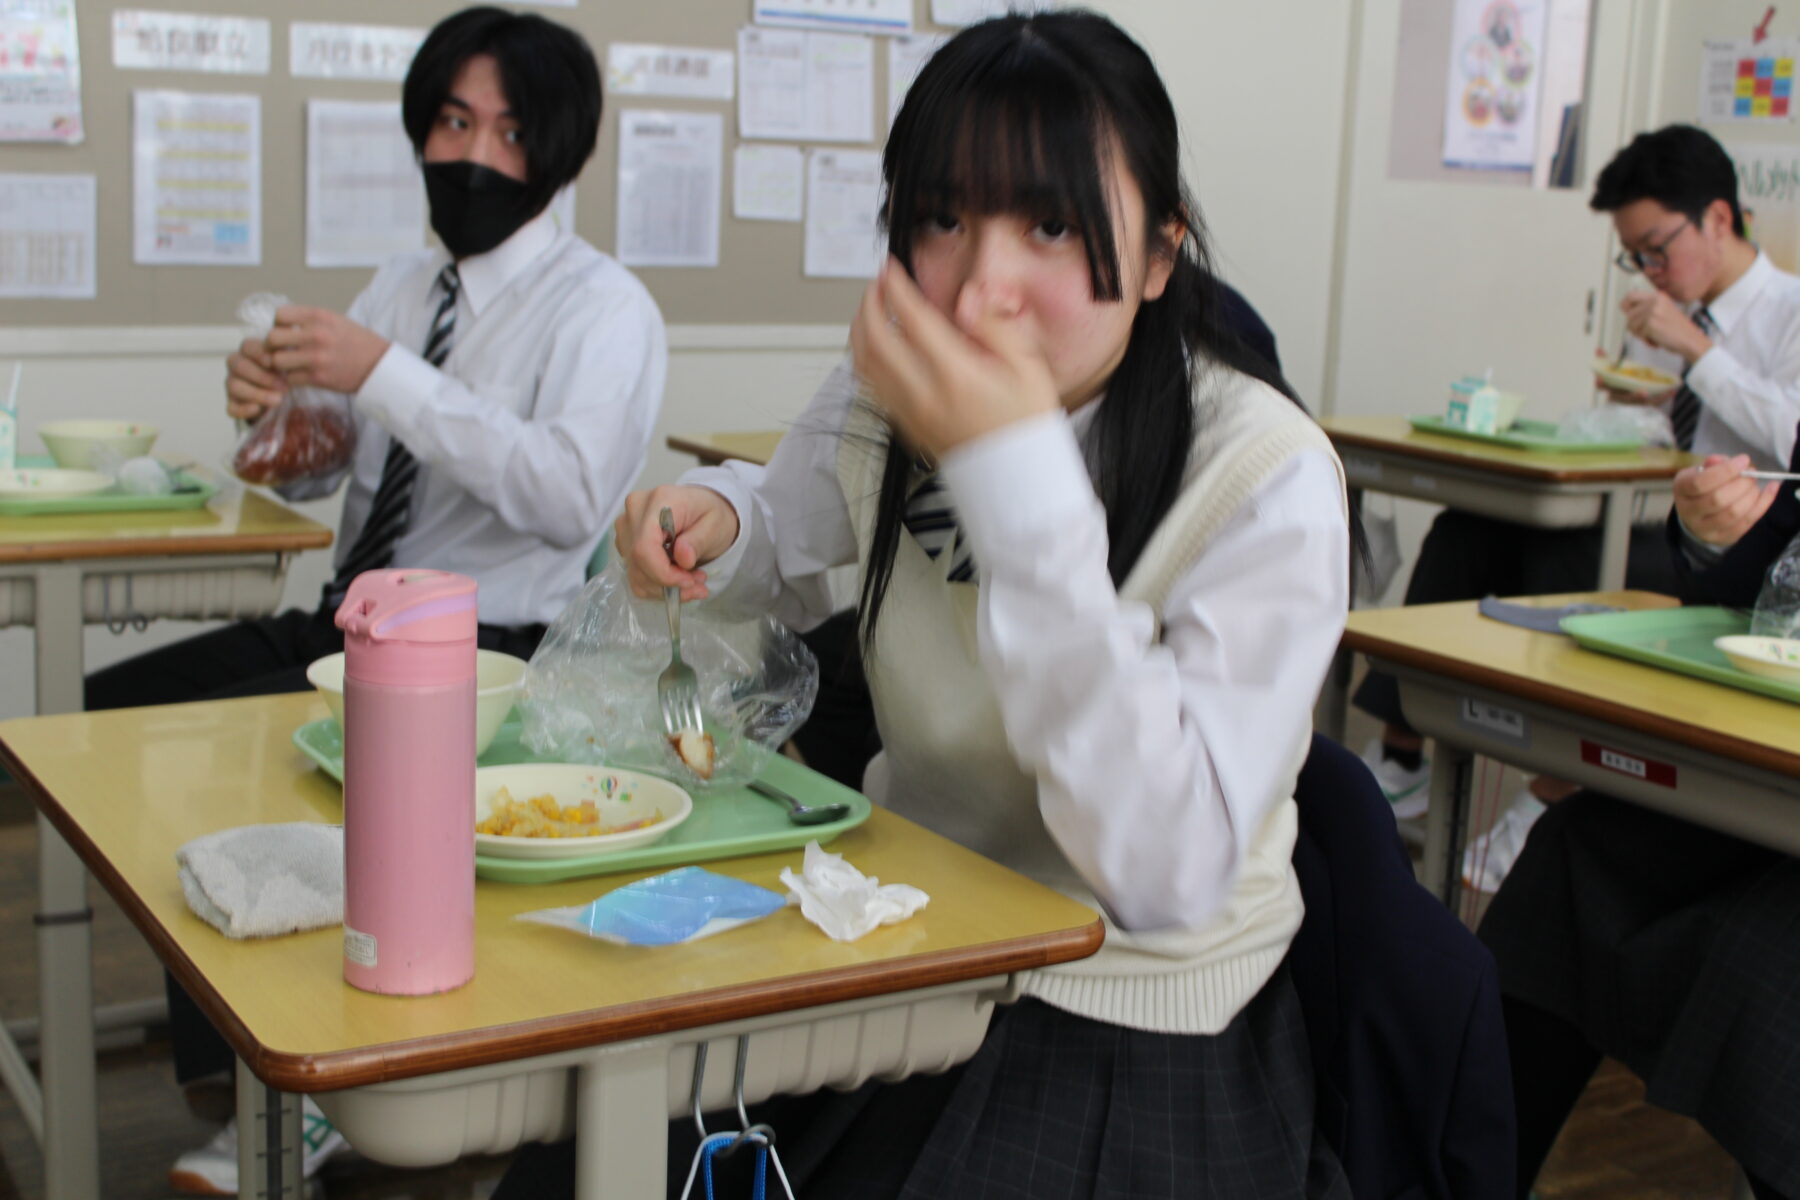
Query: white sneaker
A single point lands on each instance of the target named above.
(212, 1170)
(1405, 790)
(1488, 858)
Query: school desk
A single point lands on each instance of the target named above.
(557, 1033)
(714, 448)
(1714, 755)
(57, 574)
(1544, 490)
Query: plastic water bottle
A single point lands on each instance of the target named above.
(409, 781)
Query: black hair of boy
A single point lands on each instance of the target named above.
(1680, 167)
(551, 80)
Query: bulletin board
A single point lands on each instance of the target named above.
(759, 278)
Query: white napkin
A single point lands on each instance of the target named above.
(264, 880)
(844, 902)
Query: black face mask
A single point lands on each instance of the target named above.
(475, 208)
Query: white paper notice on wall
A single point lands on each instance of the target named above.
(40, 72)
(906, 56)
(1491, 92)
(196, 178)
(365, 201)
(806, 87)
(843, 192)
(1749, 82)
(860, 16)
(967, 12)
(767, 182)
(317, 51)
(47, 236)
(169, 41)
(671, 173)
(636, 69)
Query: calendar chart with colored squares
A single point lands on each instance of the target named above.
(1764, 87)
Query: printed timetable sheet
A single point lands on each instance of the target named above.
(197, 178)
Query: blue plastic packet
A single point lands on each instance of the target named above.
(678, 906)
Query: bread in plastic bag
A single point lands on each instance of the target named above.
(589, 694)
(1643, 423)
(307, 436)
(1778, 604)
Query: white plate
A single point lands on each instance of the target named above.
(1770, 657)
(631, 796)
(1606, 373)
(51, 481)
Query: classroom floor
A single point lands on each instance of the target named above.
(1614, 1147)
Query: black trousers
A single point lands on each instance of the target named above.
(263, 657)
(1466, 557)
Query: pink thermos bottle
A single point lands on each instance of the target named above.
(409, 781)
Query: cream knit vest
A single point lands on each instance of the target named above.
(946, 764)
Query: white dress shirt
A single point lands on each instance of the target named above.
(1166, 738)
(1749, 382)
(531, 433)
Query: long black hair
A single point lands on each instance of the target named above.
(1023, 114)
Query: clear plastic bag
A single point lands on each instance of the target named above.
(1778, 604)
(307, 436)
(589, 694)
(1617, 423)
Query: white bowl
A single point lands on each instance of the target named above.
(1770, 657)
(497, 680)
(1636, 378)
(77, 444)
(621, 796)
(43, 482)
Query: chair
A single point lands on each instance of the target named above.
(1402, 1004)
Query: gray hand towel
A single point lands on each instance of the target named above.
(264, 880)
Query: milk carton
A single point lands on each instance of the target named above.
(1480, 407)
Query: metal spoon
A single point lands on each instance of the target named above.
(798, 813)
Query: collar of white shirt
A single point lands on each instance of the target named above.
(1737, 299)
(485, 276)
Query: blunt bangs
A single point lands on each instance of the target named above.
(1000, 121)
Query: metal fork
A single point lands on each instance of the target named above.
(677, 688)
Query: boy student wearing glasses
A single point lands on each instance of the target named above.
(503, 388)
(1717, 312)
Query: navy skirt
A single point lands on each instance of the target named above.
(1674, 949)
(1052, 1106)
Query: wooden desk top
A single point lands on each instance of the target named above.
(1455, 641)
(236, 521)
(713, 448)
(128, 788)
(1394, 435)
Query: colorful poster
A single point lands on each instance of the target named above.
(1490, 106)
(40, 72)
(1748, 81)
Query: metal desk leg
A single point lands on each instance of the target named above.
(622, 1123)
(64, 921)
(1447, 821)
(1615, 536)
(269, 1146)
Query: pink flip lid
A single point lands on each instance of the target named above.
(409, 626)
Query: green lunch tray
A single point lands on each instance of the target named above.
(1523, 435)
(725, 823)
(107, 501)
(1676, 639)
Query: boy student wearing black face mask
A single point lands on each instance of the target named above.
(504, 387)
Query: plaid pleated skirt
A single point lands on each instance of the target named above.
(1051, 1107)
(1674, 949)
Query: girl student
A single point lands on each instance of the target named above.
(1105, 561)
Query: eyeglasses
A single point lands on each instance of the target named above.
(1652, 259)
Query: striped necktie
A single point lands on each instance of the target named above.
(1684, 413)
(392, 506)
(931, 519)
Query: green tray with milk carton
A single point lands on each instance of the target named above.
(1480, 412)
